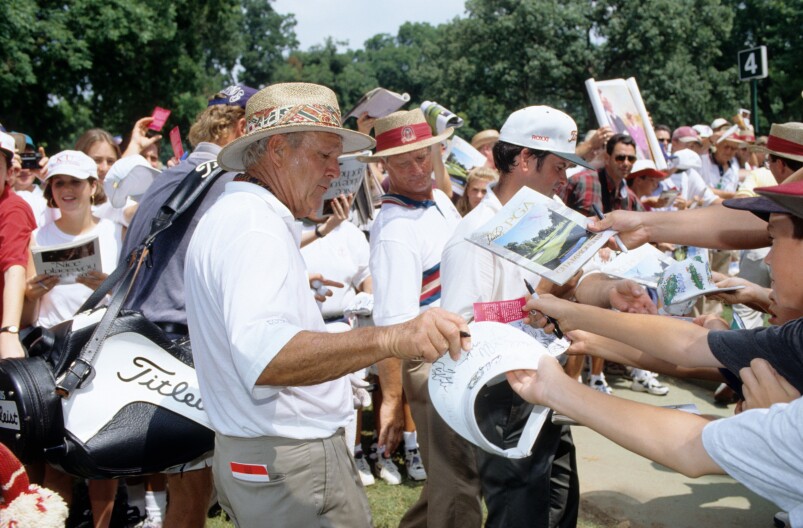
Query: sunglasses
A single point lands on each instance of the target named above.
(664, 140)
(621, 157)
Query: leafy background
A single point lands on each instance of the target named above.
(67, 66)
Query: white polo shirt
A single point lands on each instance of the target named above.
(341, 255)
(407, 239)
(471, 274)
(247, 295)
(716, 178)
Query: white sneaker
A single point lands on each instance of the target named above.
(148, 523)
(387, 471)
(649, 384)
(364, 469)
(598, 383)
(415, 466)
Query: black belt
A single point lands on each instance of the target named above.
(174, 328)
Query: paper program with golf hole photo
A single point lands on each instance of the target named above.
(541, 235)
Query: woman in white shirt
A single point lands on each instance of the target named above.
(72, 186)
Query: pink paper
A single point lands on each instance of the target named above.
(159, 116)
(500, 311)
(175, 140)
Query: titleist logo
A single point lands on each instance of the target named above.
(157, 379)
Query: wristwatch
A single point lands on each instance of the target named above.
(11, 329)
(318, 233)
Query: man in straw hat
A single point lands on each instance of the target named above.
(484, 141)
(272, 380)
(407, 238)
(536, 146)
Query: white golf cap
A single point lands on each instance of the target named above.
(688, 159)
(7, 144)
(72, 163)
(454, 385)
(129, 176)
(704, 131)
(543, 128)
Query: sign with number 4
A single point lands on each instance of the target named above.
(753, 63)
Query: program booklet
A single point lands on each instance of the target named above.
(379, 102)
(461, 157)
(645, 265)
(352, 173)
(68, 260)
(542, 235)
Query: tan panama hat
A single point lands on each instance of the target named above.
(290, 107)
(785, 141)
(402, 132)
(484, 137)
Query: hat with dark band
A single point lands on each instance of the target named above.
(786, 198)
(401, 132)
(290, 107)
(785, 140)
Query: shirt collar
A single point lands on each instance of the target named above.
(398, 199)
(278, 207)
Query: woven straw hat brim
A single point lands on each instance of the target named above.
(377, 156)
(764, 150)
(231, 156)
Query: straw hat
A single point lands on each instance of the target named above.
(785, 141)
(483, 138)
(290, 107)
(401, 132)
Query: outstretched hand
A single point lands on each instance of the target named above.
(631, 297)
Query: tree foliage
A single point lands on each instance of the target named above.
(66, 66)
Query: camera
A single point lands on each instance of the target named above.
(30, 160)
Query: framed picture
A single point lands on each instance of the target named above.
(617, 103)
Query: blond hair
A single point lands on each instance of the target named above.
(214, 123)
(485, 174)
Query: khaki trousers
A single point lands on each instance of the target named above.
(451, 495)
(313, 483)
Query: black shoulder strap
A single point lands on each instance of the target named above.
(191, 188)
(605, 194)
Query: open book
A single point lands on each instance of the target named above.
(352, 173)
(541, 235)
(379, 102)
(68, 260)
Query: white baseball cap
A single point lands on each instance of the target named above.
(687, 159)
(543, 128)
(7, 144)
(454, 385)
(72, 163)
(128, 176)
(704, 131)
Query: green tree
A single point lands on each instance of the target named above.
(775, 24)
(88, 63)
(673, 49)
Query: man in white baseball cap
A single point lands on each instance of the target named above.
(16, 224)
(536, 145)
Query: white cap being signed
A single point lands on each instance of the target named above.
(454, 386)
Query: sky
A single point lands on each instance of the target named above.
(358, 20)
